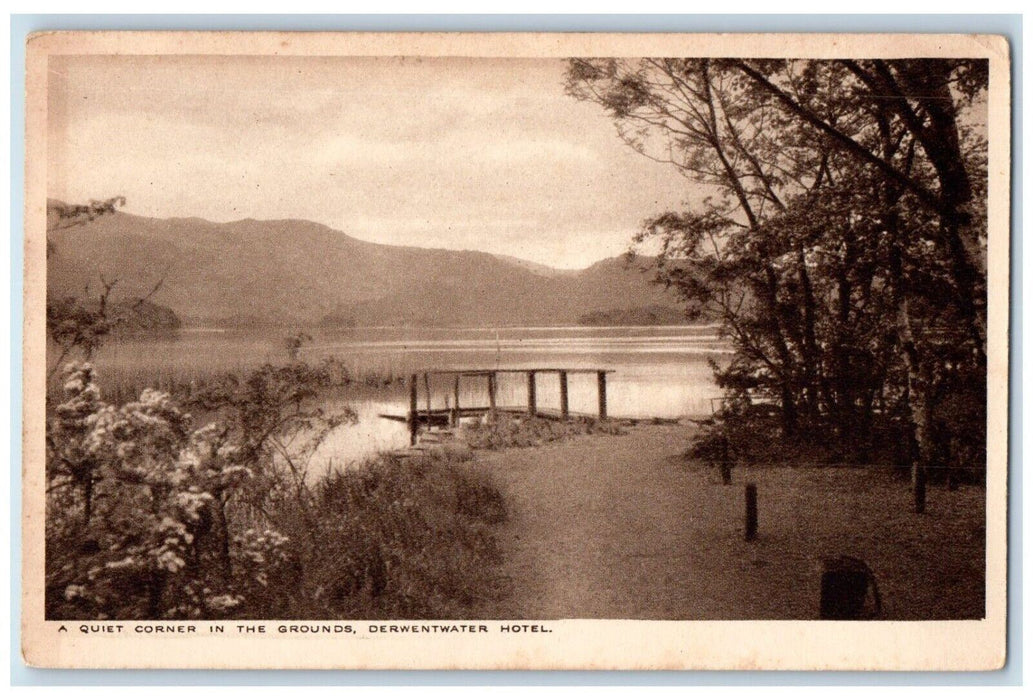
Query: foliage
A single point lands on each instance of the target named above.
(840, 241)
(151, 517)
(61, 215)
(81, 324)
(73, 325)
(136, 524)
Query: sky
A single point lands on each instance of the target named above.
(482, 154)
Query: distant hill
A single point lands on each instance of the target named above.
(299, 272)
(537, 268)
(638, 316)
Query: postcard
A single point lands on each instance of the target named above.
(516, 351)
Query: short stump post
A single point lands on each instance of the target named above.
(726, 463)
(751, 512)
(918, 478)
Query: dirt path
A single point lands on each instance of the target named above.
(622, 527)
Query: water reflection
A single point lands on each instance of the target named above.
(657, 371)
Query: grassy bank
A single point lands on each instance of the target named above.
(512, 431)
(410, 539)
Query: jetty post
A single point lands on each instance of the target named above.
(532, 395)
(413, 416)
(602, 394)
(918, 481)
(454, 418)
(564, 403)
(492, 385)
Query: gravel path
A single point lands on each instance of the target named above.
(622, 527)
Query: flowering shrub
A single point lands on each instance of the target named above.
(137, 512)
(150, 516)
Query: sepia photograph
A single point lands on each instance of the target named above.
(514, 345)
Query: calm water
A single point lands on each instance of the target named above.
(657, 371)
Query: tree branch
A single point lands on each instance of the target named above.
(924, 195)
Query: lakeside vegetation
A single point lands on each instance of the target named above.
(154, 512)
(509, 431)
(843, 250)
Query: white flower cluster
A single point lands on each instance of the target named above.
(262, 546)
(153, 484)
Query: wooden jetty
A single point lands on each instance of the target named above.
(450, 415)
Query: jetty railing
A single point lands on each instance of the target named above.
(450, 414)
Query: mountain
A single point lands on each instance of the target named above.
(537, 268)
(299, 272)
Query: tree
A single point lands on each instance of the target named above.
(841, 229)
(82, 324)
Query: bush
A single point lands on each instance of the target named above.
(136, 512)
(149, 517)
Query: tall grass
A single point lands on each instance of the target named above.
(121, 379)
(409, 539)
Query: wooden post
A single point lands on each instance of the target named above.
(918, 476)
(454, 418)
(564, 406)
(414, 425)
(426, 388)
(532, 398)
(491, 397)
(726, 462)
(751, 512)
(602, 395)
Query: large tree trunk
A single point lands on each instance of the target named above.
(844, 390)
(787, 397)
(927, 83)
(811, 361)
(919, 385)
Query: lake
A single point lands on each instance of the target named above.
(657, 371)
